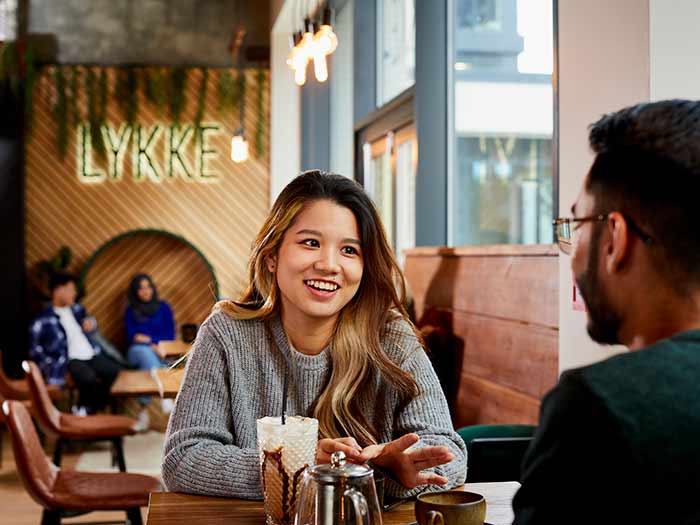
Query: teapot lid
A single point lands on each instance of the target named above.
(338, 469)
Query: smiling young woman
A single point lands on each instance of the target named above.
(325, 294)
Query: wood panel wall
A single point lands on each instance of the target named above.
(220, 216)
(491, 319)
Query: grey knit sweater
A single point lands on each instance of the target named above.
(235, 375)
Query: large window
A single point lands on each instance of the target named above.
(8, 20)
(390, 179)
(396, 39)
(500, 188)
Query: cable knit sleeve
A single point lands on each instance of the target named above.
(428, 415)
(200, 455)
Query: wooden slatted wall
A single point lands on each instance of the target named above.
(497, 307)
(181, 276)
(219, 217)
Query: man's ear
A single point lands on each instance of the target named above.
(271, 263)
(618, 246)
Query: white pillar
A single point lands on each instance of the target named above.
(285, 107)
(674, 49)
(603, 67)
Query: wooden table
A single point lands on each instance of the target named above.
(161, 382)
(174, 508)
(173, 348)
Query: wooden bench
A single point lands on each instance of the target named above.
(490, 315)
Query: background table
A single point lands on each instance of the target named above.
(173, 348)
(161, 382)
(174, 508)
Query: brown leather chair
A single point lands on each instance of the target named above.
(18, 389)
(64, 493)
(68, 427)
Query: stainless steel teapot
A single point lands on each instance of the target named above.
(338, 494)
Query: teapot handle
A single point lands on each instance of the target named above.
(360, 504)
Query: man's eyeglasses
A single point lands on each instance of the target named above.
(564, 230)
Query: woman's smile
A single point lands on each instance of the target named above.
(319, 263)
(322, 288)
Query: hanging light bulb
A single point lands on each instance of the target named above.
(319, 57)
(300, 75)
(239, 147)
(307, 41)
(296, 55)
(325, 38)
(320, 67)
(298, 59)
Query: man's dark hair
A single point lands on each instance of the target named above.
(59, 279)
(648, 168)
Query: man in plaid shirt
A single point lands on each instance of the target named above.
(63, 341)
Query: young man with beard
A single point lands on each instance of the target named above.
(619, 441)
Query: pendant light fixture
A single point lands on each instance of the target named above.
(239, 145)
(325, 37)
(314, 43)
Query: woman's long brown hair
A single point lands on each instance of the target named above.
(355, 346)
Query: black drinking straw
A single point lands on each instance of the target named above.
(284, 394)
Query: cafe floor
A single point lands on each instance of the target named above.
(17, 508)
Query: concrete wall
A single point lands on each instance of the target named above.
(603, 66)
(167, 32)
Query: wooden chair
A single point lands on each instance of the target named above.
(63, 493)
(77, 428)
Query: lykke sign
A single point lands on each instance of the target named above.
(173, 141)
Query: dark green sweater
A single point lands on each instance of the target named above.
(619, 442)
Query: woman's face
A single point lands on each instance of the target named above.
(145, 291)
(319, 263)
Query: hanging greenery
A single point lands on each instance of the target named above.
(201, 101)
(75, 116)
(202, 98)
(103, 96)
(178, 83)
(60, 111)
(240, 92)
(18, 77)
(30, 76)
(227, 91)
(95, 120)
(260, 130)
(160, 87)
(126, 93)
(9, 66)
(155, 88)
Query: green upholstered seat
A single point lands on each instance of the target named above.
(495, 452)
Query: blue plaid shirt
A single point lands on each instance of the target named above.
(49, 344)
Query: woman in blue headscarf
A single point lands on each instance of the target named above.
(148, 321)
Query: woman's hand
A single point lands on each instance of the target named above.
(406, 465)
(327, 446)
(159, 350)
(142, 338)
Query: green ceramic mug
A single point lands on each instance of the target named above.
(452, 507)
